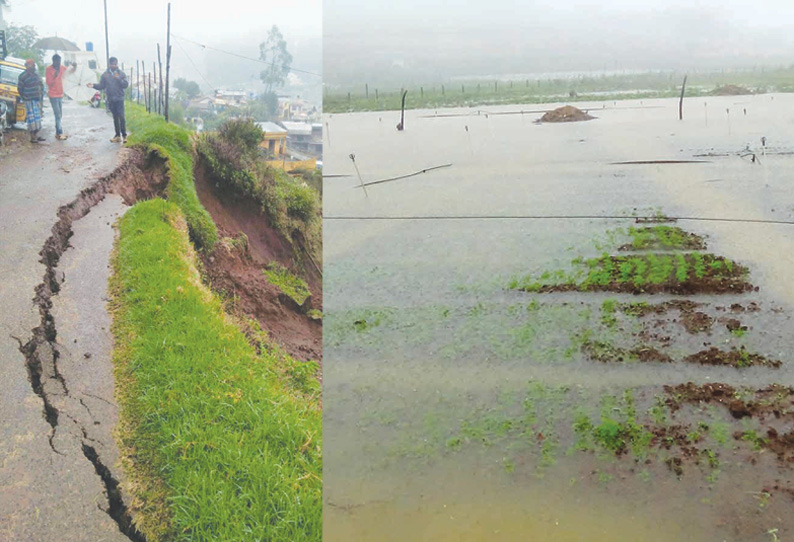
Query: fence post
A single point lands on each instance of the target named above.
(167, 61)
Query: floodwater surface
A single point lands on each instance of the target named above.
(458, 407)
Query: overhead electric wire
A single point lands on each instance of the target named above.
(195, 67)
(564, 217)
(242, 56)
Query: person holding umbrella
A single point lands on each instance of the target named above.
(113, 82)
(31, 90)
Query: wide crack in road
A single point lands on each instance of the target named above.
(59, 475)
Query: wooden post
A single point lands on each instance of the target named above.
(153, 89)
(681, 101)
(422, 92)
(167, 61)
(130, 81)
(151, 94)
(138, 80)
(442, 90)
(376, 94)
(401, 126)
(160, 87)
(366, 90)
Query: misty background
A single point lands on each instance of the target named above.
(233, 26)
(391, 44)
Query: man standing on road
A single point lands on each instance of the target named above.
(113, 82)
(54, 78)
(31, 90)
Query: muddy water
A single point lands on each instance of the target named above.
(423, 343)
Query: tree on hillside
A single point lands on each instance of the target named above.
(263, 108)
(274, 52)
(20, 40)
(190, 88)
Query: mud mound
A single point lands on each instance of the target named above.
(731, 90)
(736, 357)
(566, 113)
(607, 353)
(774, 400)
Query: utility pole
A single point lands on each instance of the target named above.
(167, 61)
(107, 42)
(161, 102)
(2, 22)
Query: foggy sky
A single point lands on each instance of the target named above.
(135, 27)
(414, 41)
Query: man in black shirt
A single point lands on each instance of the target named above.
(113, 82)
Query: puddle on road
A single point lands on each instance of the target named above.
(444, 387)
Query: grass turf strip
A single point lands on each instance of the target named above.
(216, 444)
(173, 143)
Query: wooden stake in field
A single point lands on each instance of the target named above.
(353, 158)
(728, 113)
(401, 126)
(681, 101)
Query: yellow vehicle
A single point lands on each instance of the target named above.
(10, 70)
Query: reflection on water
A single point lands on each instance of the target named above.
(458, 410)
(462, 505)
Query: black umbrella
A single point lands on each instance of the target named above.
(55, 44)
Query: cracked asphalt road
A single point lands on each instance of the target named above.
(54, 492)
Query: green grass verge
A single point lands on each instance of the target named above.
(220, 440)
(173, 144)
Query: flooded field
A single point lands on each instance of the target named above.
(510, 355)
